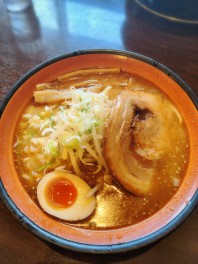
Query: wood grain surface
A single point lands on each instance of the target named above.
(51, 28)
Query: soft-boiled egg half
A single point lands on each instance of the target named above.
(65, 196)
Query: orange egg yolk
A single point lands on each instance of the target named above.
(61, 193)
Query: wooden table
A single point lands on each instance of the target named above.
(50, 28)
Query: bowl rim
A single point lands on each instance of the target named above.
(89, 248)
(131, 54)
(162, 15)
(99, 249)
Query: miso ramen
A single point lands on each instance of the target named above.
(100, 148)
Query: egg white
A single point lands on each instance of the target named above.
(82, 207)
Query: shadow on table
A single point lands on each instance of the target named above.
(102, 258)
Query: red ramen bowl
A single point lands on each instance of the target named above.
(109, 240)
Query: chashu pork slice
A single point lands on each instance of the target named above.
(136, 136)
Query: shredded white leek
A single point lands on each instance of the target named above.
(93, 190)
(69, 134)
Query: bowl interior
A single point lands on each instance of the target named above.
(47, 72)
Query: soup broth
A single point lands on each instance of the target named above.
(36, 155)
